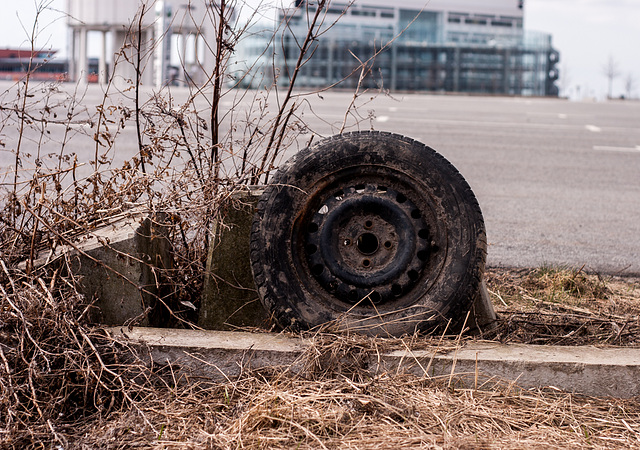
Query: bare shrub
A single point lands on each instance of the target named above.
(194, 147)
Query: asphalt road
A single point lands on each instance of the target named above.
(558, 182)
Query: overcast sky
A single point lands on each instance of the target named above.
(586, 32)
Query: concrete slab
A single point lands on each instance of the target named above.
(589, 370)
(483, 314)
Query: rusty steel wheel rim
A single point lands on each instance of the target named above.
(369, 240)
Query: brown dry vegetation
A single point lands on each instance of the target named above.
(387, 412)
(561, 306)
(69, 385)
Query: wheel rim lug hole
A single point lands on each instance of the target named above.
(368, 224)
(388, 245)
(366, 263)
(347, 242)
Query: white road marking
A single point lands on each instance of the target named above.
(383, 119)
(593, 128)
(416, 118)
(607, 148)
(562, 116)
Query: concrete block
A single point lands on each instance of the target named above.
(116, 265)
(602, 372)
(229, 299)
(483, 314)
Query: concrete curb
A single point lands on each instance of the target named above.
(215, 354)
(586, 370)
(601, 372)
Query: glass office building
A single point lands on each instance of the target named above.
(449, 46)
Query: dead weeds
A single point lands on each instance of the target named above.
(386, 412)
(67, 385)
(563, 306)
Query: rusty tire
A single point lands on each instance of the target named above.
(370, 231)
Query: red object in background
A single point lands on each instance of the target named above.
(14, 64)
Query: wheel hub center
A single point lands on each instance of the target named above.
(366, 242)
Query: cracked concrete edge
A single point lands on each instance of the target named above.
(216, 354)
(603, 372)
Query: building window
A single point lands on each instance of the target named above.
(502, 23)
(358, 12)
(475, 21)
(424, 26)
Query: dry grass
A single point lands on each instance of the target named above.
(386, 412)
(565, 307)
(66, 385)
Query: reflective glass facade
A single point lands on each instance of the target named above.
(407, 49)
